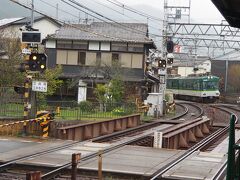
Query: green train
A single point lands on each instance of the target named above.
(195, 88)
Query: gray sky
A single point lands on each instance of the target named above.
(202, 11)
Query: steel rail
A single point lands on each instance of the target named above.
(196, 147)
(14, 161)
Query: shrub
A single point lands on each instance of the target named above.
(86, 106)
(119, 111)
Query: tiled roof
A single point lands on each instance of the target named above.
(6, 21)
(23, 20)
(102, 31)
(36, 18)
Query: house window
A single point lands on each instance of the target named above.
(137, 61)
(61, 57)
(81, 58)
(90, 59)
(72, 57)
(105, 46)
(80, 45)
(64, 44)
(94, 45)
(115, 57)
(119, 46)
(132, 60)
(67, 57)
(135, 47)
(126, 60)
(106, 59)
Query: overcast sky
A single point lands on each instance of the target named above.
(203, 11)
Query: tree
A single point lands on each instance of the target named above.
(10, 56)
(116, 89)
(52, 78)
(100, 91)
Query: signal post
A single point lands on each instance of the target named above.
(34, 63)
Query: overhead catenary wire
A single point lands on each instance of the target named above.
(107, 18)
(142, 32)
(49, 4)
(74, 26)
(104, 5)
(119, 4)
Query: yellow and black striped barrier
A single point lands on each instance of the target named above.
(43, 118)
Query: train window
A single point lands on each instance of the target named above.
(195, 85)
(210, 85)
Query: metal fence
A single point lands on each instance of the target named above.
(71, 110)
(12, 110)
(11, 103)
(93, 111)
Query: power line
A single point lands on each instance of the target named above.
(119, 4)
(109, 19)
(90, 15)
(122, 13)
(58, 8)
(71, 25)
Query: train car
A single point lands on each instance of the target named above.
(195, 88)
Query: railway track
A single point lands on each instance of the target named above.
(133, 136)
(203, 145)
(188, 108)
(193, 110)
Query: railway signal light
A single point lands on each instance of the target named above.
(170, 46)
(19, 89)
(170, 58)
(170, 61)
(37, 62)
(162, 63)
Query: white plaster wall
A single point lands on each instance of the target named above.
(51, 44)
(46, 27)
(184, 71)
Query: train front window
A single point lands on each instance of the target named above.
(210, 85)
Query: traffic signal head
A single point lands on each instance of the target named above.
(162, 63)
(37, 62)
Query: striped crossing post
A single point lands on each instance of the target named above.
(26, 98)
(45, 126)
(44, 120)
(26, 104)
